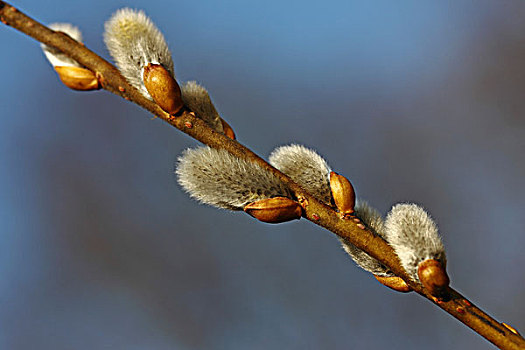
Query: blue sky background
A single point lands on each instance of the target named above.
(412, 100)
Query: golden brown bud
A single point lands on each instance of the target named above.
(77, 78)
(274, 210)
(163, 88)
(394, 282)
(228, 131)
(433, 277)
(343, 193)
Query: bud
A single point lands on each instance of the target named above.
(135, 42)
(70, 72)
(218, 178)
(394, 282)
(433, 277)
(77, 78)
(275, 210)
(228, 131)
(373, 220)
(414, 236)
(198, 100)
(163, 88)
(343, 193)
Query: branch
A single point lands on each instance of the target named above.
(320, 214)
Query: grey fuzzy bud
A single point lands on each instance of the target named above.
(134, 42)
(413, 234)
(373, 220)
(217, 178)
(196, 98)
(305, 167)
(56, 57)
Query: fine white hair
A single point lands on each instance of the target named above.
(306, 168)
(134, 42)
(215, 177)
(196, 98)
(371, 218)
(414, 236)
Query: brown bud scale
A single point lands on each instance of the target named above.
(163, 88)
(274, 210)
(77, 78)
(343, 193)
(228, 131)
(433, 277)
(394, 282)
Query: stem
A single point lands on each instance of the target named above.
(111, 79)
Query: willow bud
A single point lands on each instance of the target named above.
(71, 73)
(228, 131)
(433, 277)
(394, 282)
(275, 210)
(218, 178)
(343, 193)
(77, 78)
(413, 235)
(135, 42)
(163, 88)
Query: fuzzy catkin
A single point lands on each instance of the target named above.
(414, 236)
(56, 57)
(217, 178)
(312, 172)
(373, 220)
(196, 98)
(134, 42)
(305, 167)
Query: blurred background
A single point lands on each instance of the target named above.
(413, 101)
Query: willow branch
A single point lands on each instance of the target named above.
(315, 211)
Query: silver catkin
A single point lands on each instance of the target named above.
(56, 57)
(196, 98)
(373, 220)
(312, 172)
(306, 168)
(134, 42)
(413, 234)
(217, 178)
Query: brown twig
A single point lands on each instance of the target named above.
(315, 211)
